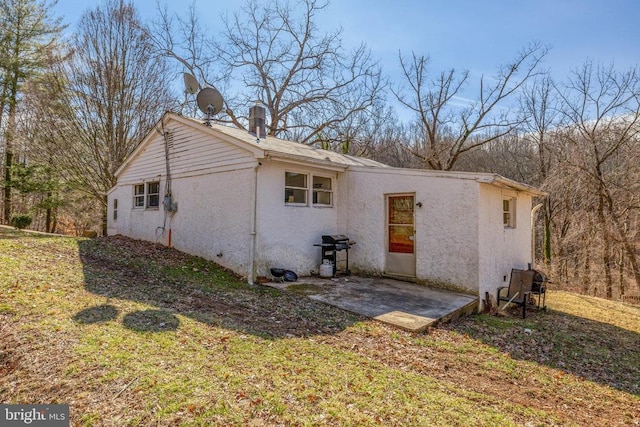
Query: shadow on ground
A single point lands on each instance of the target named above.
(175, 283)
(595, 351)
(151, 321)
(9, 232)
(97, 314)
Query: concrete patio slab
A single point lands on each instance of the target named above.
(406, 305)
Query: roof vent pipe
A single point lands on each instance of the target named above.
(257, 116)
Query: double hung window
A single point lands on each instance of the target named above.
(146, 195)
(297, 187)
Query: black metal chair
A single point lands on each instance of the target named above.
(519, 290)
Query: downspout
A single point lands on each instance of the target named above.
(534, 210)
(252, 245)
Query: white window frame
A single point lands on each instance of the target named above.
(288, 199)
(509, 212)
(142, 195)
(138, 196)
(318, 191)
(309, 189)
(149, 195)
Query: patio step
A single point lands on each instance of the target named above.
(407, 321)
(414, 323)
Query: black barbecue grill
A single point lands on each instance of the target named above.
(331, 245)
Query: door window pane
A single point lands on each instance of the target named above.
(401, 239)
(401, 230)
(401, 210)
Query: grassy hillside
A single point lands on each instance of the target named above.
(129, 333)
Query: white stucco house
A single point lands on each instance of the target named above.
(253, 203)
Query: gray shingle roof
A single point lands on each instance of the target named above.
(282, 147)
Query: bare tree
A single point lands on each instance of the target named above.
(39, 117)
(113, 90)
(539, 104)
(189, 48)
(447, 131)
(602, 114)
(273, 52)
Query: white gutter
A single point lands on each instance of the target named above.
(534, 210)
(518, 186)
(253, 221)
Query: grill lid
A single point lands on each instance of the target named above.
(335, 238)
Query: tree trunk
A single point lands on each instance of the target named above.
(104, 215)
(606, 251)
(586, 279)
(47, 224)
(8, 163)
(8, 137)
(621, 275)
(54, 223)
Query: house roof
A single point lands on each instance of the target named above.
(271, 147)
(480, 177)
(281, 148)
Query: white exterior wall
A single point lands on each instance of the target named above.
(500, 248)
(446, 225)
(212, 184)
(286, 234)
(136, 223)
(214, 217)
(460, 239)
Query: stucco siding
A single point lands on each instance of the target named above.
(133, 222)
(446, 224)
(286, 234)
(214, 217)
(502, 248)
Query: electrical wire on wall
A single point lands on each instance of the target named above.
(169, 204)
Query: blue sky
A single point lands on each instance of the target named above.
(477, 35)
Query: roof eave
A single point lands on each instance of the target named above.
(500, 181)
(292, 158)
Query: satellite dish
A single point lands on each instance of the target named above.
(191, 85)
(210, 102)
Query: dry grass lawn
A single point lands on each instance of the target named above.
(130, 333)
